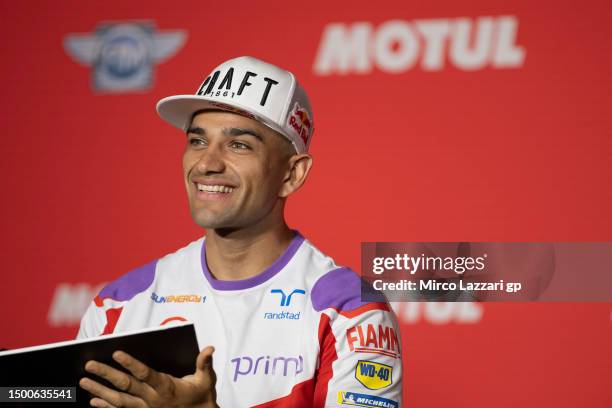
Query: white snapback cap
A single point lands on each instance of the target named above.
(250, 87)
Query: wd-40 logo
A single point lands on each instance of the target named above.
(123, 54)
(266, 365)
(364, 400)
(367, 338)
(286, 299)
(374, 375)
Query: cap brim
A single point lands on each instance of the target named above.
(178, 110)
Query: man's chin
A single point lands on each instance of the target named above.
(212, 223)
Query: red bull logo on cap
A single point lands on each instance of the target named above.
(300, 121)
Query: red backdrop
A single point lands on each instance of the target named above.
(417, 139)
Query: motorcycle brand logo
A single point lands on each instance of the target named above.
(123, 54)
(374, 375)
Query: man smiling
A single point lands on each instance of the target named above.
(276, 310)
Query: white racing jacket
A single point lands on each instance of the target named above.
(296, 335)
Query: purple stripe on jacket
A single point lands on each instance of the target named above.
(130, 284)
(272, 270)
(339, 289)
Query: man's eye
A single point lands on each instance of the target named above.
(239, 145)
(194, 141)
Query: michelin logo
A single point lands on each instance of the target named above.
(123, 55)
(364, 400)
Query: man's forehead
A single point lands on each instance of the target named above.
(220, 117)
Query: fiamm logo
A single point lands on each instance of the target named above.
(368, 338)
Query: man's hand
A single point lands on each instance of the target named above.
(147, 388)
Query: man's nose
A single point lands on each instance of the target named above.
(211, 161)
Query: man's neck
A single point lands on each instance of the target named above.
(243, 254)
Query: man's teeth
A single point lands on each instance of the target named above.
(214, 188)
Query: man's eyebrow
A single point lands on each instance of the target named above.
(233, 131)
(195, 130)
(236, 131)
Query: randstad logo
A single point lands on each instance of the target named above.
(266, 365)
(286, 299)
(123, 55)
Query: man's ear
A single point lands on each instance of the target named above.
(299, 167)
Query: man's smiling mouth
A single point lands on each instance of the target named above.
(214, 188)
